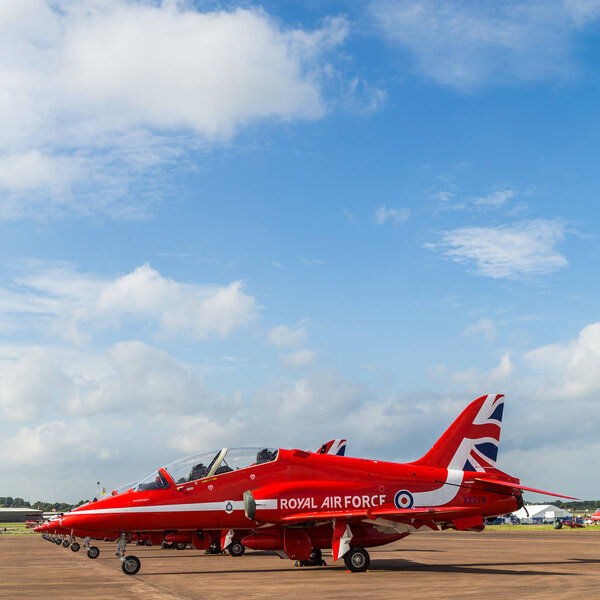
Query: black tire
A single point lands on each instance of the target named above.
(66, 543)
(57, 542)
(314, 560)
(236, 548)
(357, 560)
(214, 548)
(75, 547)
(93, 552)
(131, 565)
(180, 545)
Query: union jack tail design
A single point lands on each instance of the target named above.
(471, 442)
(336, 447)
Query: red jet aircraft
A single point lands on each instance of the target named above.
(214, 542)
(298, 502)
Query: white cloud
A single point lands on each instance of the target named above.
(200, 311)
(283, 336)
(522, 249)
(301, 358)
(394, 215)
(483, 327)
(571, 369)
(467, 43)
(132, 374)
(495, 199)
(30, 384)
(32, 170)
(93, 94)
(494, 381)
(54, 441)
(69, 302)
(38, 381)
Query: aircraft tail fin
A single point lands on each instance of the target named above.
(471, 442)
(336, 447)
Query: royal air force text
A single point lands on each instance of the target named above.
(331, 502)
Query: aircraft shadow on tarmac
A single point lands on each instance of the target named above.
(391, 564)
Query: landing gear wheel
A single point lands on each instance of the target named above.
(314, 560)
(236, 548)
(214, 548)
(131, 565)
(66, 543)
(180, 545)
(57, 542)
(75, 547)
(93, 552)
(357, 560)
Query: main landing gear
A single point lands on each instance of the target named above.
(214, 548)
(130, 565)
(357, 560)
(314, 560)
(236, 548)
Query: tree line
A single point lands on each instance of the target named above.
(576, 506)
(10, 502)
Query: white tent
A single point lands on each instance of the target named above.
(540, 512)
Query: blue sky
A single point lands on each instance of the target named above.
(232, 223)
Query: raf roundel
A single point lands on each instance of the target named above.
(403, 499)
(229, 507)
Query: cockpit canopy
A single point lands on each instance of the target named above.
(217, 462)
(208, 464)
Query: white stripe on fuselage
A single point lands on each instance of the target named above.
(441, 495)
(173, 508)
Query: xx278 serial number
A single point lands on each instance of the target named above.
(474, 499)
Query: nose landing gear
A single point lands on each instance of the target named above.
(130, 565)
(92, 551)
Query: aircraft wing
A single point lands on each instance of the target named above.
(445, 513)
(508, 485)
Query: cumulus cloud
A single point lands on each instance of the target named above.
(396, 216)
(571, 369)
(132, 374)
(283, 336)
(483, 327)
(475, 380)
(37, 381)
(300, 358)
(54, 441)
(495, 199)
(201, 311)
(31, 383)
(467, 44)
(69, 301)
(94, 93)
(522, 249)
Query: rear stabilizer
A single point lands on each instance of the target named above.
(471, 442)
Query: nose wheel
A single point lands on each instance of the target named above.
(130, 565)
(357, 560)
(93, 552)
(75, 547)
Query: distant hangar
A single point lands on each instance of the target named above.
(19, 515)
